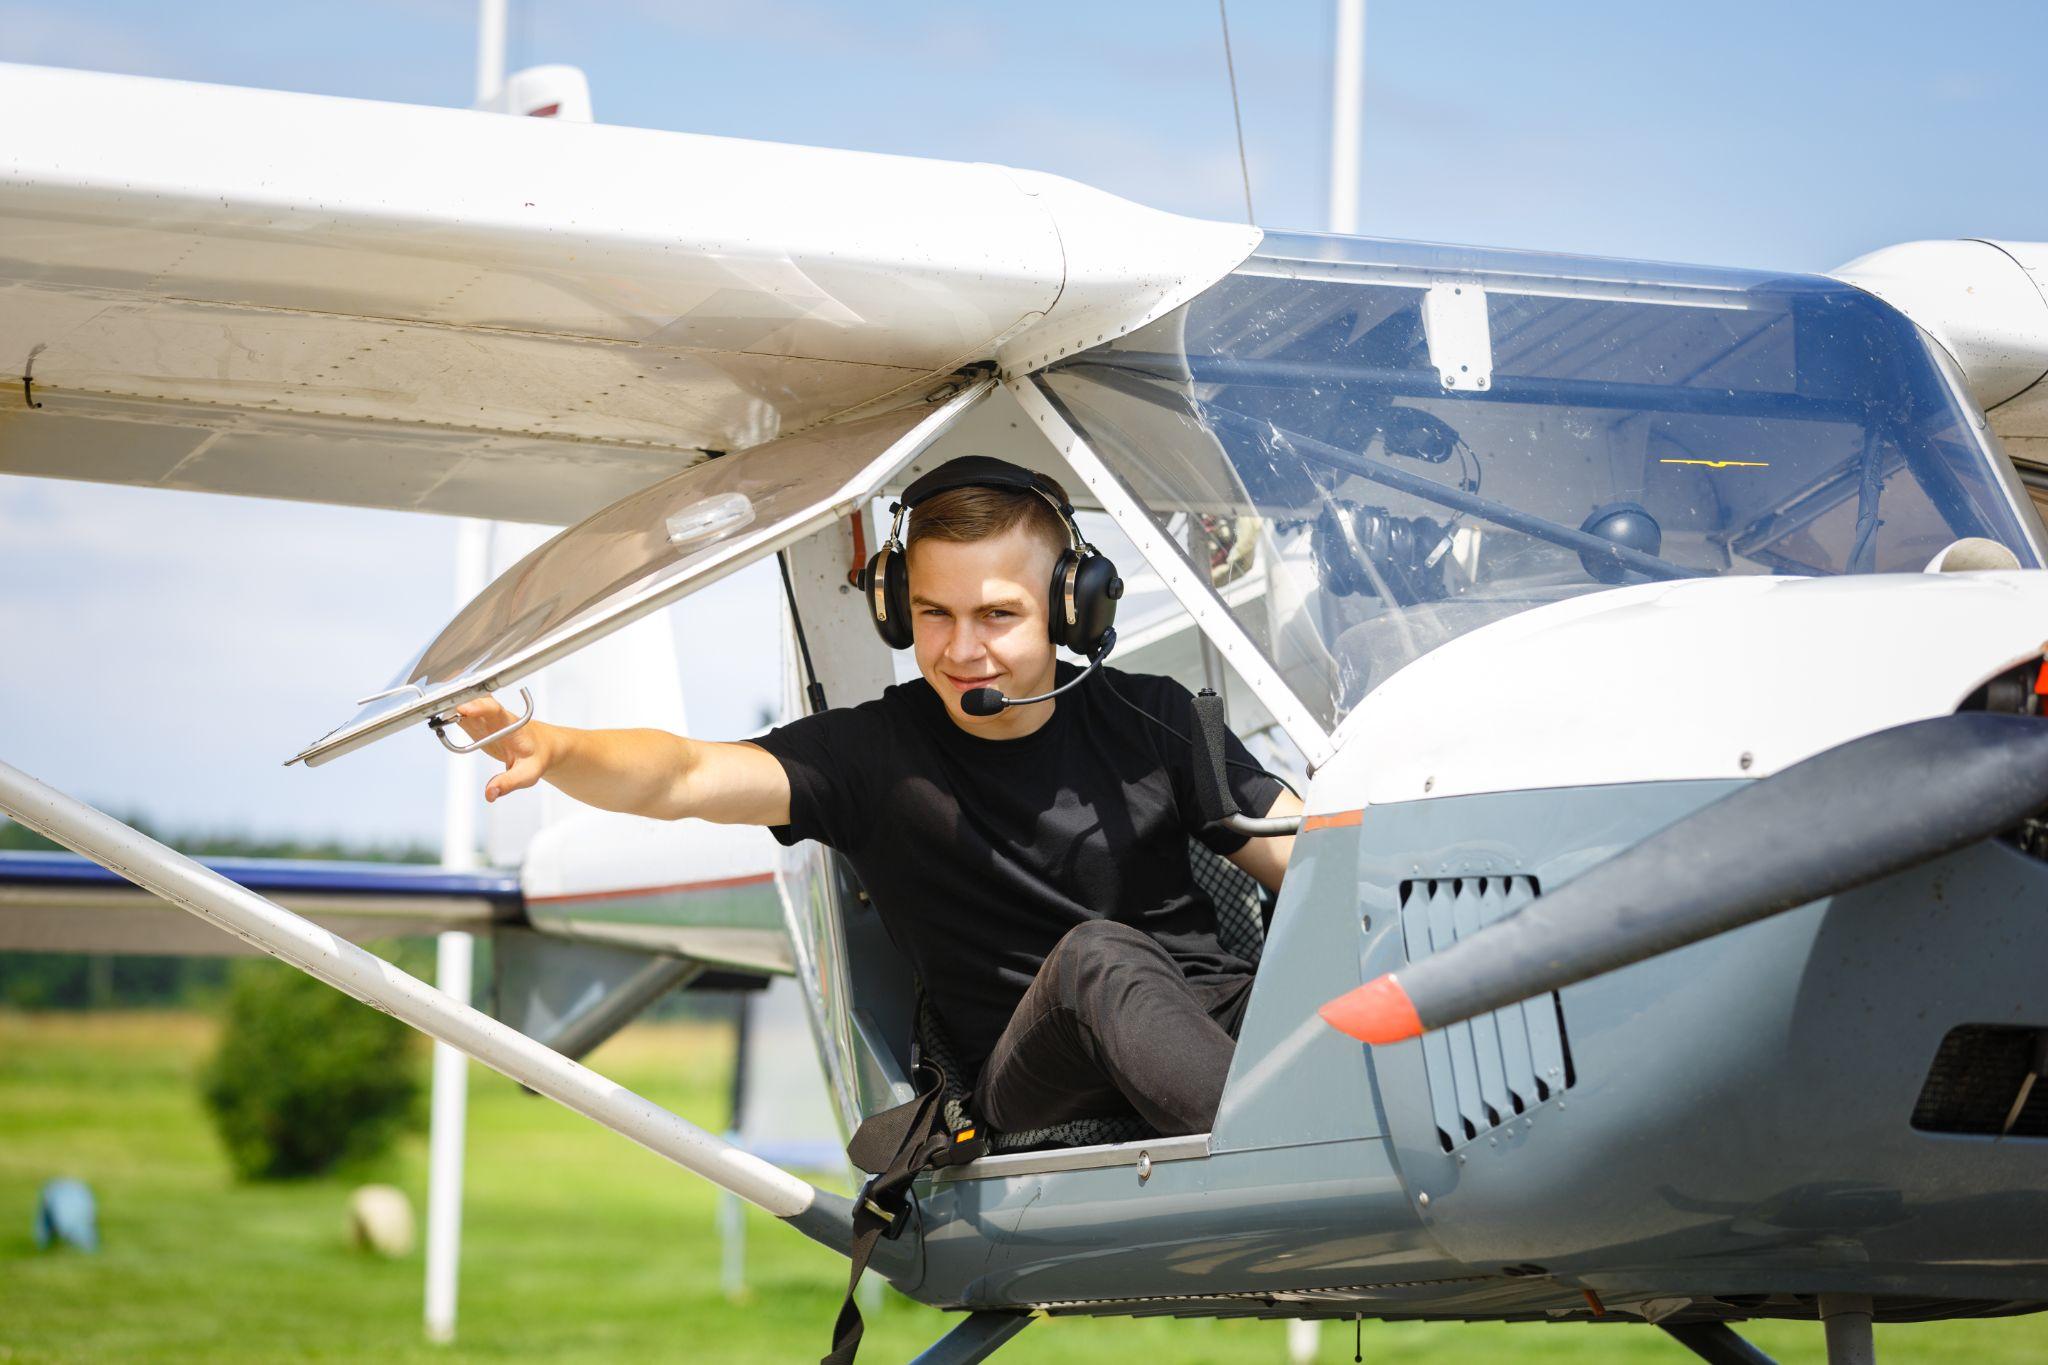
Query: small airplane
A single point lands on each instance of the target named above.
(1663, 646)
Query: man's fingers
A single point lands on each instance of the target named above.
(482, 716)
(520, 775)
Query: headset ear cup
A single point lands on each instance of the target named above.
(885, 592)
(1057, 627)
(896, 593)
(1096, 591)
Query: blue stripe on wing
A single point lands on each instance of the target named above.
(283, 876)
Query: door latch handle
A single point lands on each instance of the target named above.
(440, 724)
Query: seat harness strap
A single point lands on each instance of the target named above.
(893, 1147)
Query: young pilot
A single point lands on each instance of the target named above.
(1032, 864)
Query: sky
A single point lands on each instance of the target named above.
(163, 652)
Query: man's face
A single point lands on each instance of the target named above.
(978, 613)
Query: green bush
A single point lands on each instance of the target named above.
(306, 1077)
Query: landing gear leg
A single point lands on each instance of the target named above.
(1716, 1343)
(1846, 1319)
(974, 1340)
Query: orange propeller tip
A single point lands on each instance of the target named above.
(1377, 1012)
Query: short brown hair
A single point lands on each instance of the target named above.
(981, 512)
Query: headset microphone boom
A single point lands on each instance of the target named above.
(989, 701)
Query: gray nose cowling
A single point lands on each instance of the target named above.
(1845, 817)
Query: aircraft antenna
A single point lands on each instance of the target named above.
(1244, 166)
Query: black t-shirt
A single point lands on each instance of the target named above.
(980, 854)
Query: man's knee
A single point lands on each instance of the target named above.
(1099, 931)
(1103, 939)
(1102, 955)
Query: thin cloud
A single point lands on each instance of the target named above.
(42, 35)
(1961, 87)
(792, 26)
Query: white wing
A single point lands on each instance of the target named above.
(343, 301)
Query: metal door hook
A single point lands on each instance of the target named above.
(390, 692)
(440, 724)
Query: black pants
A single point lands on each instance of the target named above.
(1110, 1027)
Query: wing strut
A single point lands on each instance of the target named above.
(823, 1216)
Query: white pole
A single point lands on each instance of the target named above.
(1347, 115)
(453, 958)
(455, 953)
(371, 979)
(454, 962)
(490, 50)
(1347, 118)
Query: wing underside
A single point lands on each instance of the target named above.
(337, 300)
(61, 902)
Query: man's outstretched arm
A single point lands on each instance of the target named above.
(640, 772)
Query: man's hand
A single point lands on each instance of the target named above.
(525, 752)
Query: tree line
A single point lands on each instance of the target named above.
(134, 981)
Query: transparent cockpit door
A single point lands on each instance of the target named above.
(645, 551)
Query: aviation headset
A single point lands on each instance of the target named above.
(1081, 600)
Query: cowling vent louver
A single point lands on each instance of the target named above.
(1984, 1081)
(1483, 1072)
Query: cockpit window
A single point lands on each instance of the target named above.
(1370, 458)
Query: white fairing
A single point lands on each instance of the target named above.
(524, 318)
(1976, 298)
(684, 888)
(597, 853)
(1987, 304)
(561, 92)
(1711, 678)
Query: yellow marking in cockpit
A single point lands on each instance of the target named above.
(1724, 464)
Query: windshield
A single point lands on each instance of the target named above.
(1371, 448)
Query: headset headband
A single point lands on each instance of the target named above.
(983, 471)
(986, 471)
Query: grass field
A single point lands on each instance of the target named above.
(577, 1246)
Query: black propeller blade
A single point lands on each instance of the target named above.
(1847, 816)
